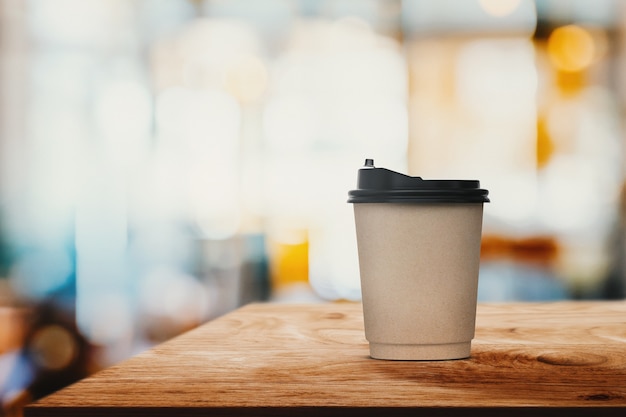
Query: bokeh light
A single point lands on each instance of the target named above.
(53, 347)
(499, 8)
(571, 48)
(246, 78)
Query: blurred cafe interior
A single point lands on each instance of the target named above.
(163, 162)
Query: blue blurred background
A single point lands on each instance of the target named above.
(163, 162)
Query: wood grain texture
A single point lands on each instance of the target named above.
(267, 359)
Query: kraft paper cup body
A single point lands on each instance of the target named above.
(419, 278)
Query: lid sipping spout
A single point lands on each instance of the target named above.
(371, 177)
(381, 185)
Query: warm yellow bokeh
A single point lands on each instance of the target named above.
(571, 48)
(289, 262)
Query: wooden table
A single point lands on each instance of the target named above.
(275, 360)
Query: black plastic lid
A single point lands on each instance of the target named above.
(380, 185)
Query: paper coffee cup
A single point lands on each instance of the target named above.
(419, 250)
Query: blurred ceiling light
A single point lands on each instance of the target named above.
(499, 8)
(571, 48)
(246, 78)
